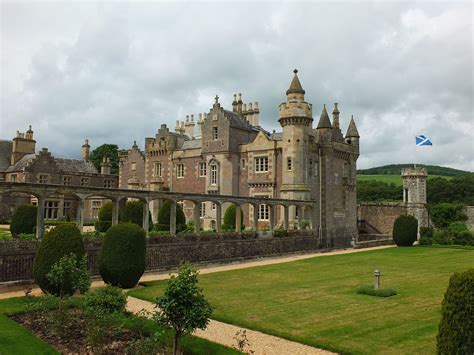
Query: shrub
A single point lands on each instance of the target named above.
(426, 236)
(377, 292)
(102, 226)
(69, 273)
(405, 230)
(229, 218)
(60, 241)
(122, 258)
(108, 299)
(164, 218)
(463, 238)
(443, 214)
(280, 233)
(23, 220)
(105, 212)
(456, 328)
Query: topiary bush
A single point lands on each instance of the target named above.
(105, 217)
(405, 230)
(164, 218)
(456, 328)
(23, 220)
(122, 258)
(60, 241)
(229, 218)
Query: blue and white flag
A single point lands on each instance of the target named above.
(422, 140)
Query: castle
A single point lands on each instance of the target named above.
(231, 154)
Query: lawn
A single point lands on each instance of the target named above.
(396, 179)
(5, 233)
(15, 339)
(314, 301)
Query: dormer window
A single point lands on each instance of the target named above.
(215, 133)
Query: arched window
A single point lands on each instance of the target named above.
(214, 173)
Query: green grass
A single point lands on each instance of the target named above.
(313, 301)
(15, 339)
(5, 234)
(395, 179)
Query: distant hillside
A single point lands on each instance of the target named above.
(395, 169)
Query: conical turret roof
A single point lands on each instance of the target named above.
(295, 86)
(352, 129)
(324, 121)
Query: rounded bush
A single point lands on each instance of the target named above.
(23, 220)
(405, 230)
(229, 217)
(107, 299)
(133, 213)
(164, 218)
(122, 258)
(102, 226)
(60, 241)
(105, 212)
(456, 328)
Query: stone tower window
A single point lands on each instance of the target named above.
(213, 174)
(180, 170)
(289, 164)
(215, 133)
(202, 169)
(158, 169)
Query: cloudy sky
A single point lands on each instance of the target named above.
(113, 72)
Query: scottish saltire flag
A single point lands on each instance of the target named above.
(422, 140)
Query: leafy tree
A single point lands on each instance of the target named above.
(104, 221)
(108, 151)
(456, 328)
(164, 218)
(372, 190)
(229, 218)
(182, 305)
(23, 220)
(443, 214)
(133, 213)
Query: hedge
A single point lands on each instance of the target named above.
(23, 220)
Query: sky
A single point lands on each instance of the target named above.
(114, 72)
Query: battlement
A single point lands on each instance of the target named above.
(414, 172)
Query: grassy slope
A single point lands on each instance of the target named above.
(396, 179)
(395, 169)
(313, 301)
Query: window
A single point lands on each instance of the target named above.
(261, 164)
(202, 210)
(13, 178)
(289, 165)
(67, 180)
(345, 170)
(316, 169)
(108, 184)
(84, 181)
(42, 179)
(214, 206)
(202, 169)
(51, 209)
(180, 170)
(133, 166)
(66, 208)
(96, 205)
(215, 133)
(310, 168)
(336, 178)
(243, 162)
(263, 212)
(214, 174)
(157, 169)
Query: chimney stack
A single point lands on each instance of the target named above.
(86, 150)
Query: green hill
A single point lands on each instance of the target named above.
(395, 169)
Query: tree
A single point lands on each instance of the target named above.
(23, 220)
(164, 217)
(405, 230)
(229, 218)
(108, 151)
(443, 214)
(456, 328)
(183, 306)
(133, 213)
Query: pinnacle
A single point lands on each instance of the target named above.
(324, 121)
(295, 86)
(352, 129)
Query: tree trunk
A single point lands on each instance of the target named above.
(175, 344)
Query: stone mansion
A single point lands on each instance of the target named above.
(229, 153)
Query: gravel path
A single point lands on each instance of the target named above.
(222, 333)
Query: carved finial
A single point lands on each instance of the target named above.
(217, 99)
(295, 71)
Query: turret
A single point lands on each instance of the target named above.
(324, 129)
(239, 103)
(352, 135)
(336, 127)
(86, 148)
(23, 144)
(189, 126)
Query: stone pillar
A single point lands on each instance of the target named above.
(298, 220)
(272, 218)
(238, 218)
(312, 218)
(115, 211)
(80, 214)
(218, 217)
(146, 220)
(286, 217)
(301, 219)
(255, 218)
(40, 218)
(173, 217)
(197, 218)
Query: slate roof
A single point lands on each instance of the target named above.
(295, 86)
(236, 120)
(66, 165)
(324, 121)
(5, 154)
(352, 129)
(192, 144)
(23, 162)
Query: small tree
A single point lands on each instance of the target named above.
(23, 220)
(164, 218)
(183, 306)
(104, 221)
(229, 218)
(456, 328)
(133, 213)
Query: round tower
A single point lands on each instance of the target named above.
(414, 194)
(296, 119)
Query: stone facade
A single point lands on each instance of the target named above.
(20, 163)
(227, 152)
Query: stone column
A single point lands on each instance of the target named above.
(146, 220)
(286, 217)
(218, 217)
(298, 220)
(301, 214)
(255, 218)
(271, 221)
(173, 217)
(197, 218)
(312, 218)
(115, 211)
(80, 214)
(40, 217)
(238, 218)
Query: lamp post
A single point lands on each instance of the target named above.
(377, 278)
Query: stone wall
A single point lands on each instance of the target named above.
(470, 217)
(381, 216)
(16, 257)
